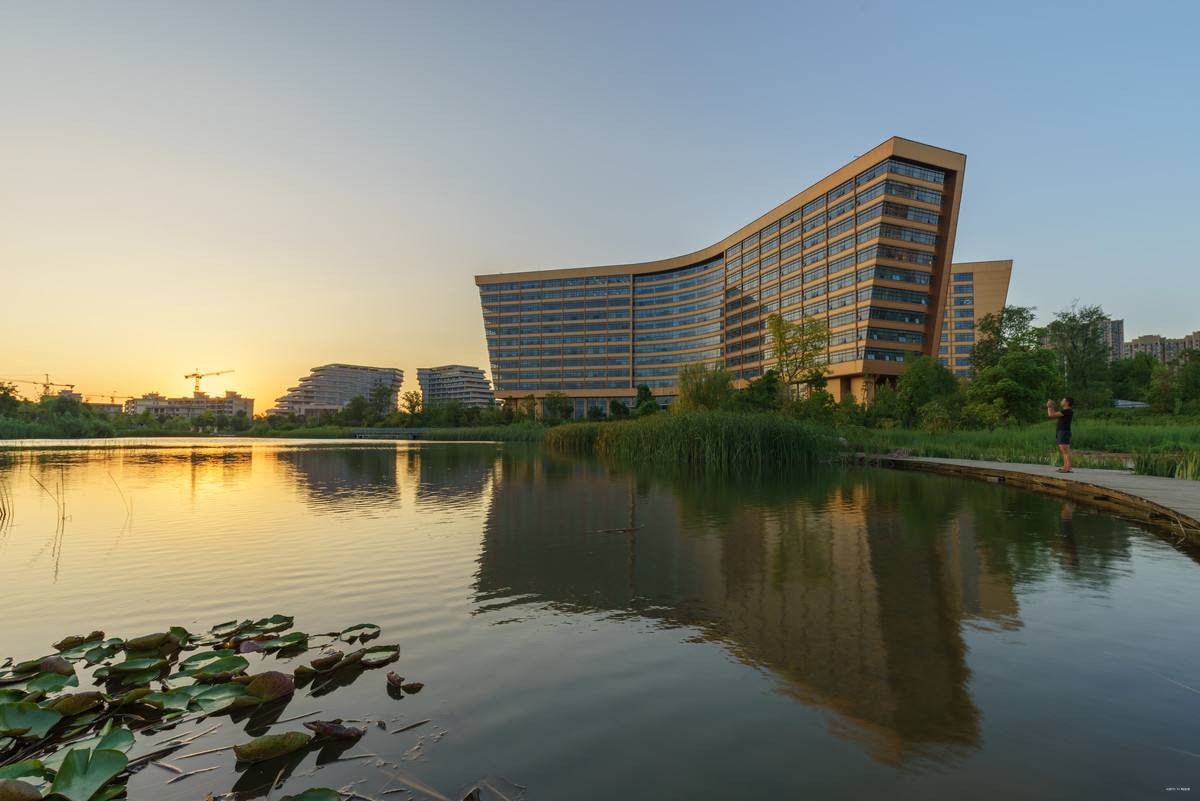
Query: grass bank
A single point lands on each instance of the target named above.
(704, 442)
(517, 432)
(1151, 449)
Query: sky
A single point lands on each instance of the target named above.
(265, 187)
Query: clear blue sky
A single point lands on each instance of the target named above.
(351, 166)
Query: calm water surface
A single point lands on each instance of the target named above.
(839, 634)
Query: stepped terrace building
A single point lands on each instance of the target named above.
(455, 382)
(866, 249)
(328, 388)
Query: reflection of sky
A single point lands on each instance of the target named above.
(922, 621)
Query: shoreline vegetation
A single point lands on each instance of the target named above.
(785, 416)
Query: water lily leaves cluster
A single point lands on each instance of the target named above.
(60, 741)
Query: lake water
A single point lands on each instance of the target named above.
(591, 633)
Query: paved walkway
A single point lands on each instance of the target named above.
(1163, 502)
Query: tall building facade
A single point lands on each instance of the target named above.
(975, 290)
(1167, 350)
(1114, 338)
(455, 382)
(328, 388)
(866, 249)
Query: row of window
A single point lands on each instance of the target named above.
(591, 280)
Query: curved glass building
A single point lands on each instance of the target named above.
(867, 249)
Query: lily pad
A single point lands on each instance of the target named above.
(271, 685)
(130, 666)
(57, 664)
(269, 746)
(360, 632)
(315, 794)
(148, 642)
(334, 730)
(85, 771)
(16, 790)
(380, 655)
(24, 769)
(104, 650)
(26, 720)
(76, 703)
(51, 682)
(274, 623)
(110, 738)
(216, 697)
(217, 669)
(292, 640)
(327, 660)
(76, 640)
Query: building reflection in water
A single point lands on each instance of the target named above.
(344, 478)
(854, 593)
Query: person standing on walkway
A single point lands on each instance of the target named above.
(1062, 434)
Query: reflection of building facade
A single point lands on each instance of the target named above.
(975, 290)
(328, 388)
(455, 382)
(866, 249)
(865, 623)
(200, 403)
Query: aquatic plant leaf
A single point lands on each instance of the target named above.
(105, 650)
(85, 771)
(269, 746)
(51, 682)
(133, 696)
(225, 667)
(352, 658)
(138, 666)
(412, 687)
(394, 679)
(110, 738)
(23, 769)
(315, 794)
(182, 635)
(16, 790)
(216, 697)
(179, 698)
(11, 695)
(23, 719)
(286, 641)
(147, 642)
(334, 730)
(380, 655)
(360, 632)
(271, 685)
(56, 664)
(492, 788)
(327, 660)
(76, 703)
(268, 625)
(28, 666)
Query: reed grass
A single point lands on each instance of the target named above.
(703, 442)
(516, 432)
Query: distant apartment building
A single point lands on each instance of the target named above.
(199, 403)
(867, 250)
(455, 382)
(106, 408)
(975, 290)
(1164, 349)
(328, 388)
(1114, 338)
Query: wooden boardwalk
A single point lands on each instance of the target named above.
(1165, 503)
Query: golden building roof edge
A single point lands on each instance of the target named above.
(893, 146)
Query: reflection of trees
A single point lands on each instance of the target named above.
(852, 592)
(334, 477)
(450, 475)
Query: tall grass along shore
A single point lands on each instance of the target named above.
(707, 442)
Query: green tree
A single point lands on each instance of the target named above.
(798, 348)
(644, 403)
(1076, 335)
(558, 406)
(764, 394)
(355, 413)
(701, 387)
(923, 381)
(1131, 377)
(617, 410)
(1018, 386)
(528, 407)
(1189, 380)
(413, 402)
(1009, 329)
(1163, 391)
(381, 400)
(595, 413)
(9, 400)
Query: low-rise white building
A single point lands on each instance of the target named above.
(328, 388)
(455, 382)
(161, 406)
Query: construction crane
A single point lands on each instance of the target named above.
(44, 384)
(197, 375)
